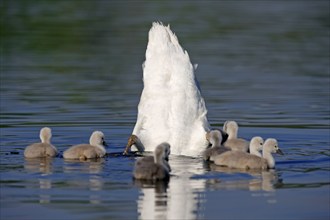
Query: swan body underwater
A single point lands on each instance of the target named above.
(171, 107)
(154, 167)
(43, 149)
(234, 143)
(95, 148)
(243, 160)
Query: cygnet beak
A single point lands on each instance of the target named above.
(279, 151)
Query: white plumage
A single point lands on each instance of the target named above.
(171, 107)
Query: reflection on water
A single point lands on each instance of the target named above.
(92, 181)
(95, 182)
(183, 197)
(45, 167)
(260, 182)
(261, 179)
(177, 199)
(92, 166)
(76, 67)
(36, 165)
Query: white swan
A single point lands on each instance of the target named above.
(234, 143)
(154, 167)
(215, 137)
(171, 107)
(243, 160)
(43, 149)
(95, 148)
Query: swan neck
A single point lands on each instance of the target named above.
(232, 135)
(255, 152)
(139, 146)
(269, 158)
(215, 144)
(45, 140)
(101, 147)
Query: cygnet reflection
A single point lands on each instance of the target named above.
(261, 180)
(177, 199)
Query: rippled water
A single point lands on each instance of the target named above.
(75, 66)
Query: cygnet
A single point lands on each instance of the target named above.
(234, 143)
(215, 137)
(243, 160)
(154, 167)
(95, 148)
(43, 149)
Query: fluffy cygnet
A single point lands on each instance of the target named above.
(234, 143)
(43, 149)
(215, 137)
(256, 145)
(134, 140)
(154, 167)
(243, 160)
(95, 148)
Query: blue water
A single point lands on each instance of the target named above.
(75, 66)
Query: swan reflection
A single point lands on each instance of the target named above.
(262, 180)
(95, 182)
(177, 199)
(43, 166)
(36, 165)
(262, 183)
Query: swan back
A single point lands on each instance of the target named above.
(171, 106)
(240, 160)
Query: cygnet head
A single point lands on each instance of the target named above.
(271, 146)
(45, 135)
(166, 148)
(97, 139)
(256, 143)
(162, 152)
(231, 127)
(214, 137)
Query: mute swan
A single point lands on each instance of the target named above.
(95, 148)
(171, 106)
(243, 160)
(234, 143)
(43, 149)
(154, 167)
(216, 138)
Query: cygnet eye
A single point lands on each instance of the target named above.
(260, 143)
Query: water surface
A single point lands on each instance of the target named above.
(75, 66)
